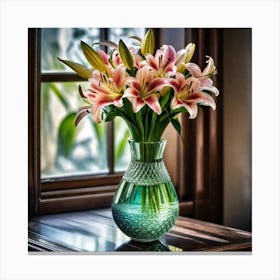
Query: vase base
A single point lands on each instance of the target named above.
(145, 226)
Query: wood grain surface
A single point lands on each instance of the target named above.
(95, 231)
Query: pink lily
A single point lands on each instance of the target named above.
(163, 61)
(188, 94)
(105, 90)
(143, 89)
(209, 70)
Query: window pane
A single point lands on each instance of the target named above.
(121, 146)
(66, 149)
(115, 34)
(65, 43)
(121, 133)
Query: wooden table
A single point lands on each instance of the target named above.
(95, 231)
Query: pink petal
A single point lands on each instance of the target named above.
(169, 56)
(207, 85)
(136, 85)
(152, 62)
(118, 102)
(90, 95)
(171, 69)
(96, 113)
(194, 69)
(175, 103)
(137, 104)
(157, 84)
(130, 80)
(202, 98)
(103, 55)
(119, 77)
(99, 89)
(178, 83)
(131, 92)
(144, 75)
(194, 84)
(116, 58)
(192, 108)
(137, 60)
(174, 84)
(152, 102)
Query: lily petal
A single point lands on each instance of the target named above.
(119, 77)
(157, 84)
(103, 55)
(210, 69)
(96, 111)
(152, 102)
(131, 92)
(194, 69)
(169, 56)
(208, 85)
(203, 98)
(137, 104)
(190, 106)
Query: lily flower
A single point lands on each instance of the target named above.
(188, 94)
(105, 90)
(143, 89)
(163, 61)
(209, 70)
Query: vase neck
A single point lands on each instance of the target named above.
(147, 151)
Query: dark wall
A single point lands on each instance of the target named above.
(237, 94)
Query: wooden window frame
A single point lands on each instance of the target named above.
(68, 193)
(198, 181)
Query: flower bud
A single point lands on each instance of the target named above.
(93, 57)
(125, 55)
(189, 52)
(148, 43)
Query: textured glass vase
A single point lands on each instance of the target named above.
(145, 205)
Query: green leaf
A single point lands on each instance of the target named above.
(60, 96)
(176, 124)
(177, 111)
(148, 43)
(127, 107)
(165, 99)
(67, 135)
(99, 131)
(121, 146)
(126, 56)
(80, 69)
(93, 57)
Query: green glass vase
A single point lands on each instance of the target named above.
(145, 205)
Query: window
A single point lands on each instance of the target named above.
(65, 157)
(57, 180)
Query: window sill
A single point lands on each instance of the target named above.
(94, 231)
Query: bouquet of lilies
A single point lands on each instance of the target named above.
(147, 88)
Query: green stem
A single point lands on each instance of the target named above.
(152, 199)
(152, 135)
(143, 198)
(140, 125)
